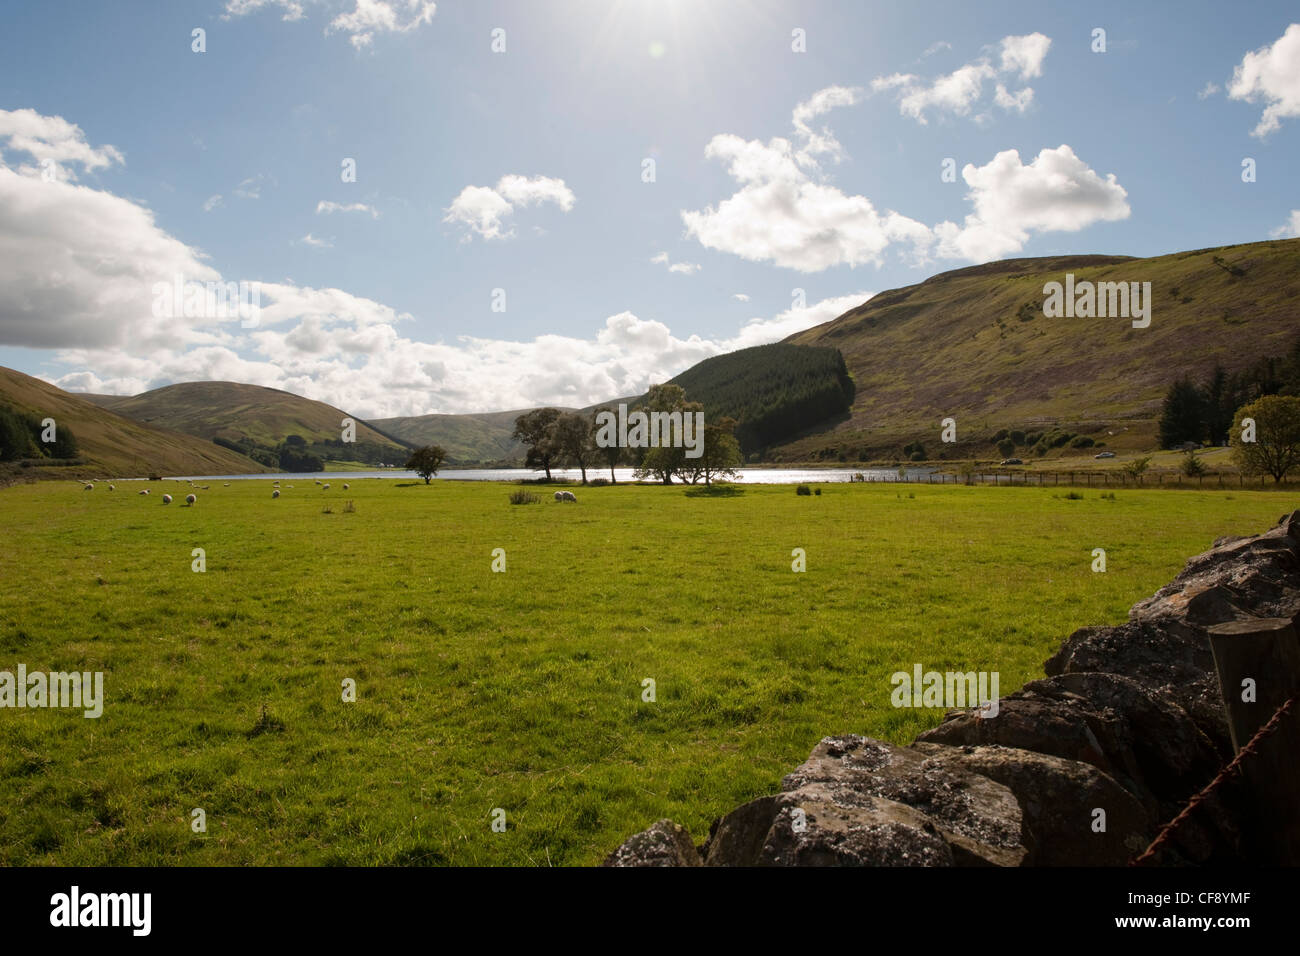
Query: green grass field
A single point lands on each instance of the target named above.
(519, 690)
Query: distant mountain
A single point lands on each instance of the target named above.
(481, 439)
(974, 344)
(112, 445)
(257, 417)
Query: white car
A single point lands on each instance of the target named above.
(1105, 454)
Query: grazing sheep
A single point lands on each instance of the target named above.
(226, 485)
(276, 493)
(569, 496)
(318, 481)
(112, 487)
(88, 488)
(145, 492)
(167, 499)
(190, 499)
(559, 496)
(325, 487)
(346, 487)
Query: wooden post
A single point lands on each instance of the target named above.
(1265, 651)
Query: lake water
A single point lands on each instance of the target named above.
(748, 476)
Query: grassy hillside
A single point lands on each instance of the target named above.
(109, 444)
(468, 439)
(231, 410)
(478, 690)
(974, 344)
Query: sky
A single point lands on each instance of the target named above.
(474, 205)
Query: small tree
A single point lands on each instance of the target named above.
(1006, 448)
(536, 429)
(573, 441)
(721, 454)
(1191, 465)
(1136, 468)
(611, 455)
(1182, 416)
(967, 470)
(1276, 448)
(426, 461)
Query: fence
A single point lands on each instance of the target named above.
(1082, 479)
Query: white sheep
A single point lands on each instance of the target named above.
(318, 481)
(112, 487)
(325, 487)
(88, 488)
(276, 493)
(559, 496)
(569, 496)
(167, 499)
(145, 492)
(190, 499)
(345, 487)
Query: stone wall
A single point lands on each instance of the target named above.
(1129, 720)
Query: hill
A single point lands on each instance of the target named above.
(256, 419)
(974, 344)
(111, 445)
(468, 439)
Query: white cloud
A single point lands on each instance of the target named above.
(212, 202)
(823, 141)
(326, 206)
(683, 268)
(250, 188)
(369, 17)
(935, 47)
(1290, 229)
(958, 92)
(55, 139)
(740, 297)
(787, 323)
(483, 209)
(1208, 90)
(1271, 74)
(1055, 192)
(1025, 54)
(238, 8)
(310, 240)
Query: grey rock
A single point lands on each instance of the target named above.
(663, 844)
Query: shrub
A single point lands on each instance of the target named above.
(1032, 438)
(917, 456)
(817, 491)
(1074, 495)
(1191, 466)
(1017, 436)
(1006, 448)
(349, 507)
(523, 498)
(1109, 495)
(1000, 435)
(803, 490)
(596, 482)
(1081, 441)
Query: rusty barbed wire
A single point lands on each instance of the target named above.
(1233, 768)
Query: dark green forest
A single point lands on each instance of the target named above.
(20, 438)
(773, 391)
(1203, 411)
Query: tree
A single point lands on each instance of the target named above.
(426, 461)
(1006, 448)
(663, 462)
(1276, 447)
(572, 440)
(611, 455)
(536, 429)
(1182, 416)
(1192, 466)
(1136, 468)
(719, 453)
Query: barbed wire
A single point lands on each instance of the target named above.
(1231, 770)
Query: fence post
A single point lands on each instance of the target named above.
(1266, 651)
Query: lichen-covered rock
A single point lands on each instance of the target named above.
(1058, 803)
(860, 801)
(663, 844)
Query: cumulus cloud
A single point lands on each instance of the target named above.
(326, 206)
(1289, 229)
(683, 268)
(483, 209)
(212, 202)
(315, 243)
(1208, 90)
(783, 215)
(1271, 74)
(959, 91)
(369, 369)
(290, 9)
(1057, 192)
(53, 139)
(740, 297)
(369, 17)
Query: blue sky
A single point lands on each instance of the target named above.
(522, 170)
